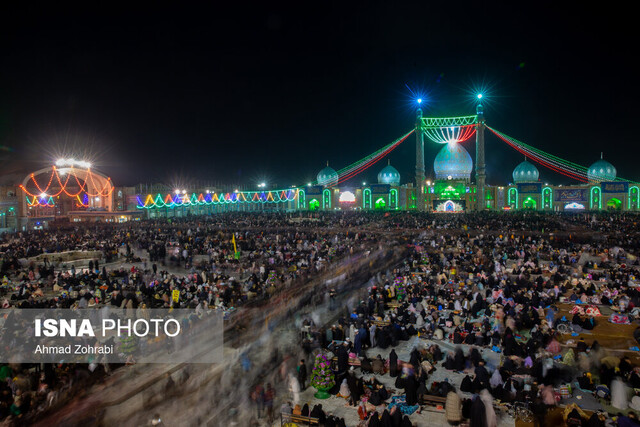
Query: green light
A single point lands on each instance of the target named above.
(438, 122)
(596, 200)
(380, 203)
(512, 197)
(547, 196)
(366, 198)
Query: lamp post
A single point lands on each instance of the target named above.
(419, 158)
(480, 165)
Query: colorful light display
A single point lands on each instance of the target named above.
(440, 122)
(365, 163)
(176, 200)
(564, 167)
(449, 134)
(74, 179)
(64, 187)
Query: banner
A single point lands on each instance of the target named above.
(571, 195)
(530, 188)
(314, 190)
(380, 188)
(614, 187)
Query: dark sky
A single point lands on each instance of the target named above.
(272, 92)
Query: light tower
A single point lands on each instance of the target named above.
(419, 159)
(480, 166)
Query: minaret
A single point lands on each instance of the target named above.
(419, 161)
(480, 166)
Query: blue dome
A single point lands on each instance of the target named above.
(389, 175)
(525, 172)
(327, 176)
(601, 171)
(453, 161)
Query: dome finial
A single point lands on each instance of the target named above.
(327, 162)
(388, 162)
(601, 155)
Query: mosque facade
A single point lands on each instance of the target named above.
(71, 191)
(452, 190)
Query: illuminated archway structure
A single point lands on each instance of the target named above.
(68, 186)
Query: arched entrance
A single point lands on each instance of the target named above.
(614, 204)
(529, 203)
(314, 205)
(380, 203)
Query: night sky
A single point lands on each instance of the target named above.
(272, 92)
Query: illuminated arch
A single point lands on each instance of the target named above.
(634, 196)
(326, 199)
(393, 199)
(529, 203)
(347, 197)
(302, 200)
(512, 198)
(85, 187)
(547, 198)
(596, 198)
(366, 198)
(381, 204)
(614, 204)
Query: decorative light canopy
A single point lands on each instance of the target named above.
(75, 182)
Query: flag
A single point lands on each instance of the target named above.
(235, 248)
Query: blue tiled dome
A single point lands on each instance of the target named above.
(389, 175)
(525, 172)
(453, 161)
(327, 176)
(601, 171)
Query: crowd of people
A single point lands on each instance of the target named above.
(486, 282)
(504, 293)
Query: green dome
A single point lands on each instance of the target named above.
(389, 175)
(327, 176)
(601, 171)
(525, 172)
(453, 161)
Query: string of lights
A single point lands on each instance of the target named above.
(543, 159)
(82, 187)
(562, 166)
(172, 201)
(438, 122)
(363, 164)
(448, 134)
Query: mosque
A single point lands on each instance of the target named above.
(453, 189)
(72, 191)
